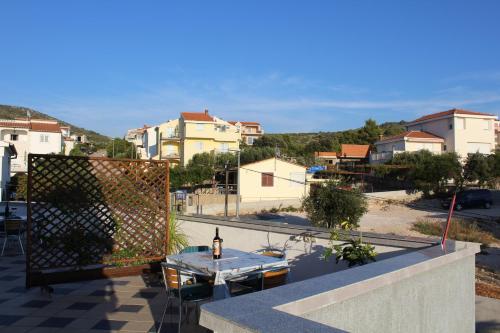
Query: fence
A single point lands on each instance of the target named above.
(94, 213)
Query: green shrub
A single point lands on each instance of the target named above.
(461, 230)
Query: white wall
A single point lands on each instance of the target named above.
(439, 127)
(4, 170)
(283, 188)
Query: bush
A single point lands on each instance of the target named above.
(461, 230)
(328, 206)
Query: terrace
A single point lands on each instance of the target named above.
(412, 286)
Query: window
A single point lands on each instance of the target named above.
(200, 127)
(461, 124)
(478, 147)
(450, 126)
(486, 124)
(14, 137)
(199, 145)
(224, 147)
(250, 140)
(267, 179)
(170, 132)
(44, 138)
(445, 147)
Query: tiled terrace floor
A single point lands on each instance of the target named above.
(127, 304)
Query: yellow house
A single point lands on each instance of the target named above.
(272, 179)
(200, 132)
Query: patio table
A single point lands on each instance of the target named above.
(234, 263)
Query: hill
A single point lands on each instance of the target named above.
(303, 145)
(13, 112)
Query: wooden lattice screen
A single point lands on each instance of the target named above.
(94, 212)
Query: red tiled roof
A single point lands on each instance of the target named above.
(348, 150)
(36, 126)
(197, 116)
(45, 127)
(14, 124)
(413, 134)
(249, 123)
(450, 112)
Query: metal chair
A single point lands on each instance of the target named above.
(195, 292)
(12, 229)
(195, 248)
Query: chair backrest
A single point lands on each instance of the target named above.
(276, 253)
(195, 248)
(275, 278)
(12, 227)
(172, 275)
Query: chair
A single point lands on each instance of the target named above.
(195, 292)
(12, 229)
(276, 276)
(196, 248)
(245, 283)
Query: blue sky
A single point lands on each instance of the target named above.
(295, 66)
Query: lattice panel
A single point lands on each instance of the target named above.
(89, 211)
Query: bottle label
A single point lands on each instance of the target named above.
(216, 248)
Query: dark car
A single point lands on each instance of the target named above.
(471, 199)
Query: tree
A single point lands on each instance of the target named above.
(121, 148)
(478, 167)
(429, 172)
(370, 132)
(330, 207)
(77, 151)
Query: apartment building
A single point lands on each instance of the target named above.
(250, 131)
(201, 132)
(162, 142)
(31, 136)
(460, 131)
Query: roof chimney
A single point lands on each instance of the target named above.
(206, 112)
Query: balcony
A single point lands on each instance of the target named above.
(170, 156)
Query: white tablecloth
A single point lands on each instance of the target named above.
(234, 263)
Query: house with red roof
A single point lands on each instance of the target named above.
(31, 136)
(348, 153)
(461, 131)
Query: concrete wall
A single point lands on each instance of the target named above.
(427, 290)
(439, 300)
(245, 207)
(304, 257)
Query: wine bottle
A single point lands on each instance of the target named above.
(217, 245)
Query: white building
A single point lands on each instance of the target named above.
(460, 131)
(7, 151)
(272, 179)
(31, 136)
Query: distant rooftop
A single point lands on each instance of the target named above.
(449, 113)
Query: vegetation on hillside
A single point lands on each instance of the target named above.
(302, 146)
(13, 112)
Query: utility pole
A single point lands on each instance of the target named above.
(113, 148)
(227, 189)
(238, 188)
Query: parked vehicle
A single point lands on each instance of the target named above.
(471, 199)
